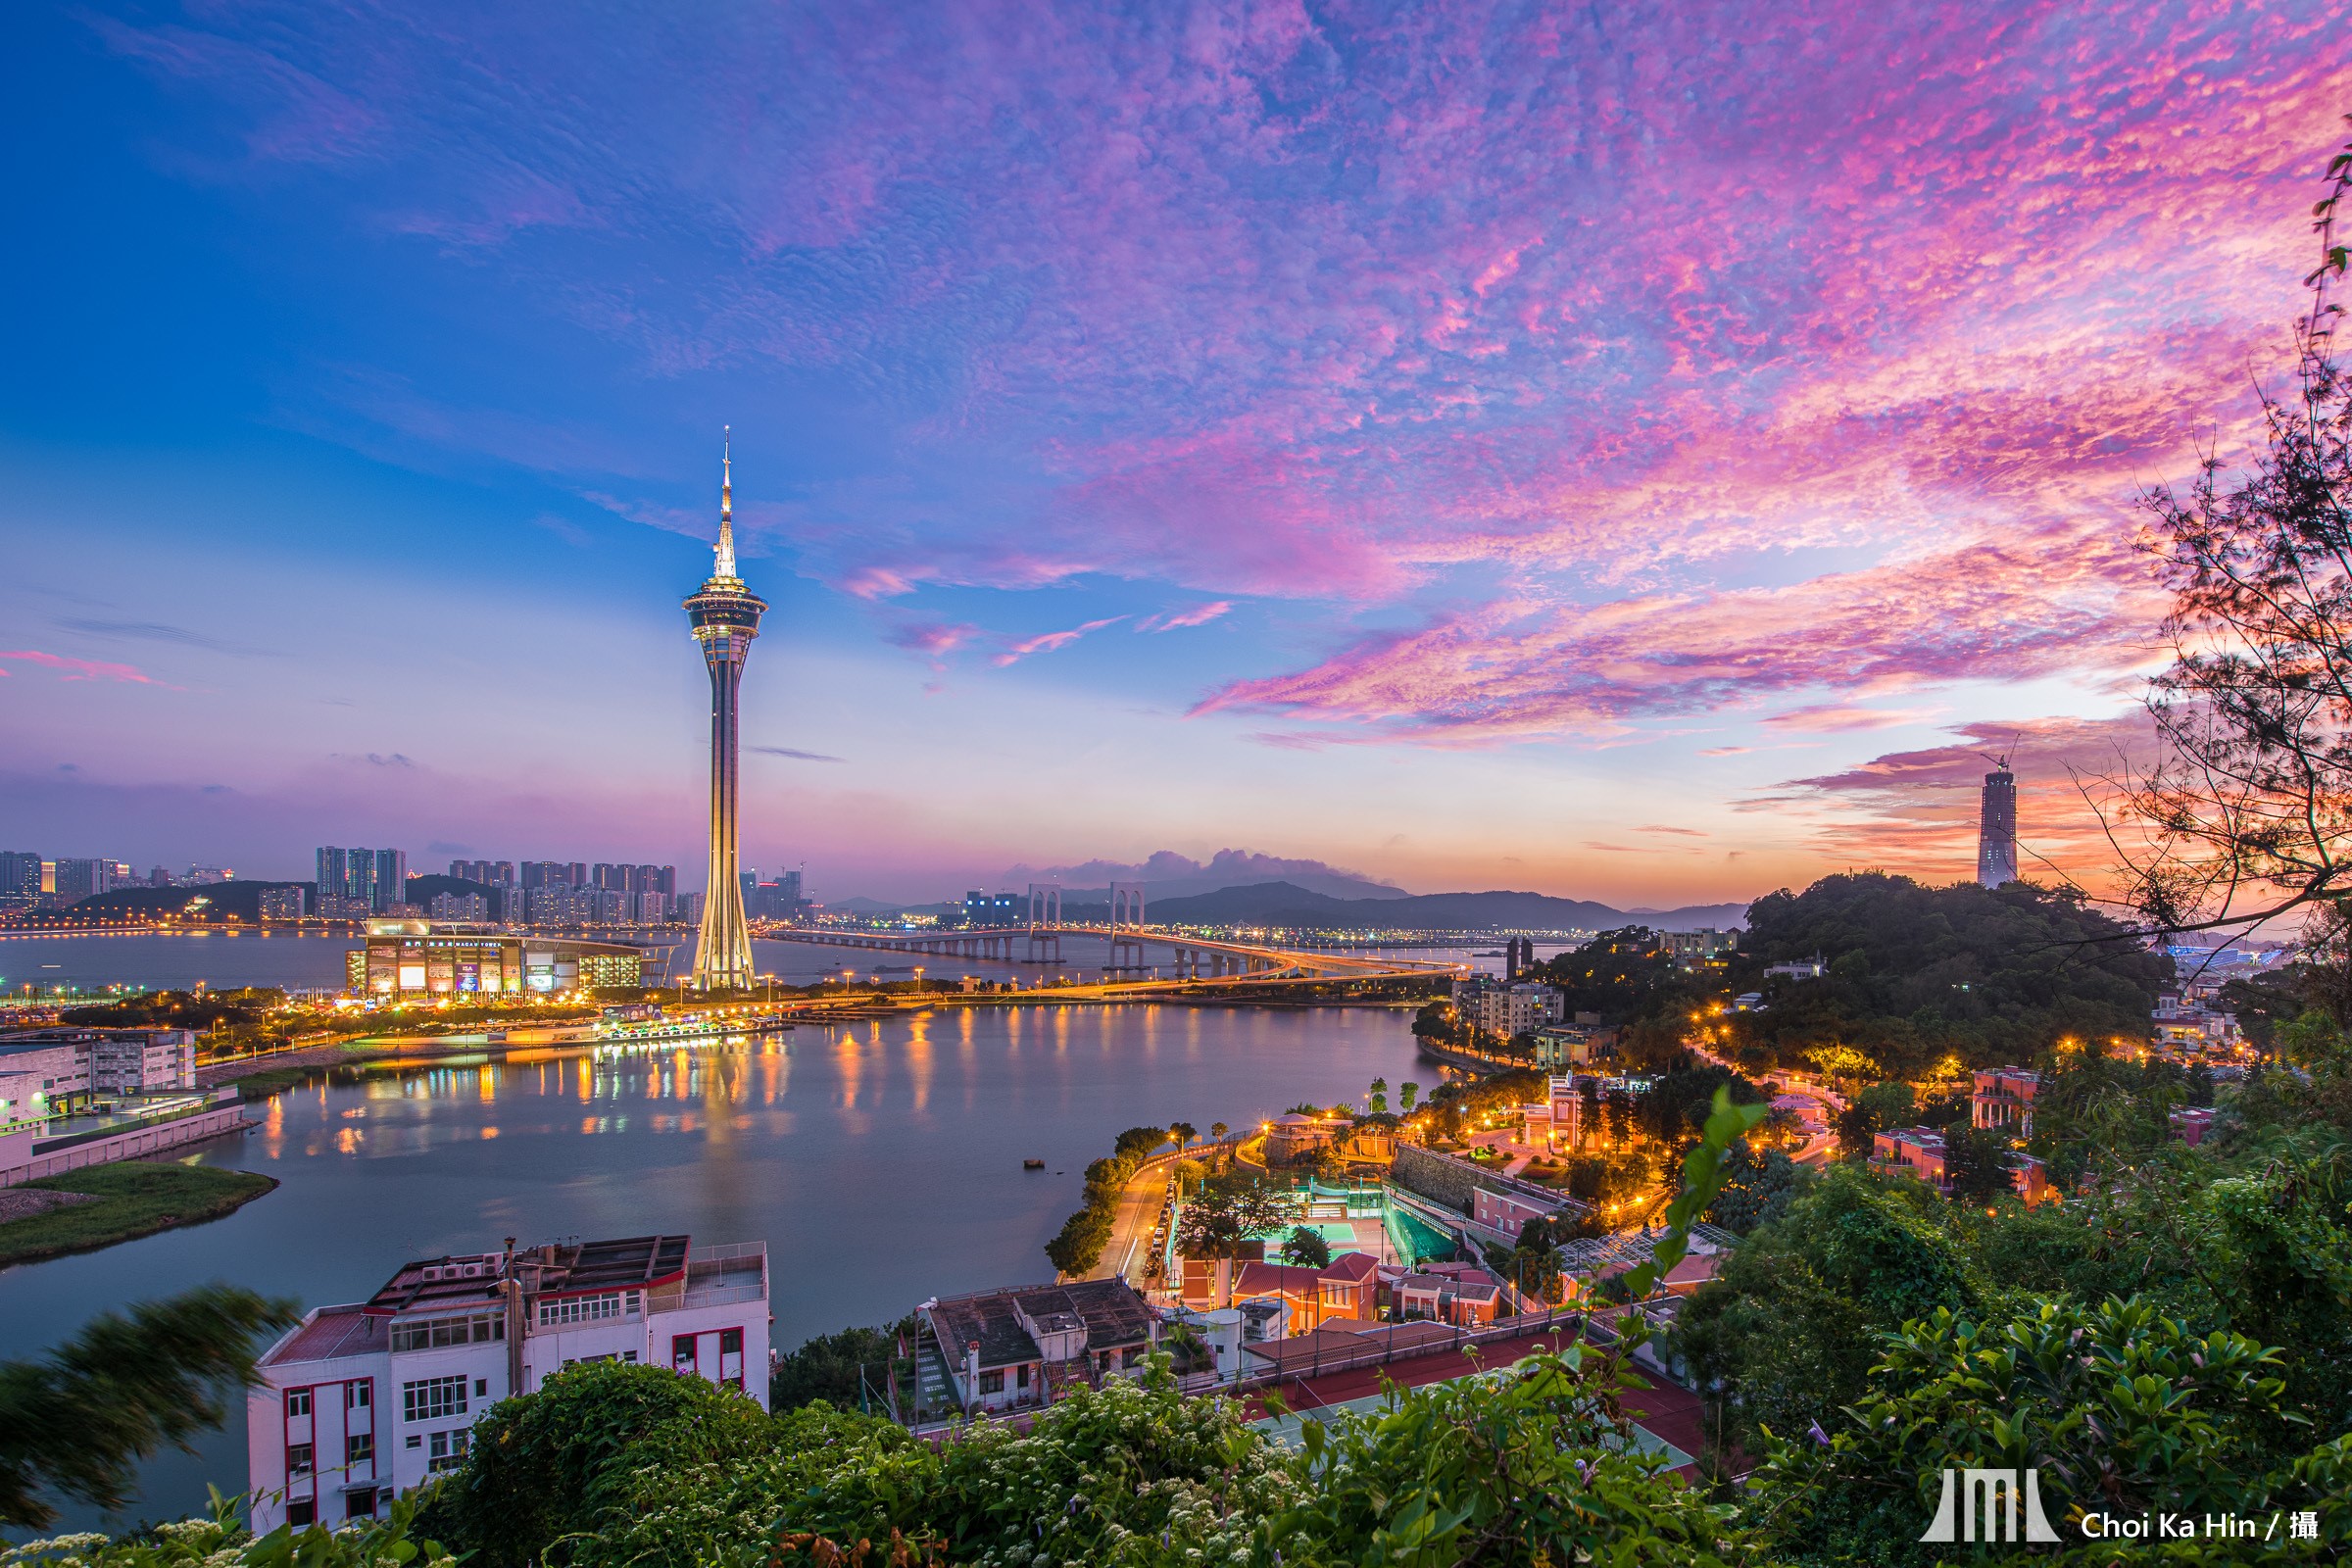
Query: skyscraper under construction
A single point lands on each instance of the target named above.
(727, 618)
(1997, 827)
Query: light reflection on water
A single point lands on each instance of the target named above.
(881, 1163)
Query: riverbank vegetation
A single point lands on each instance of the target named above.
(1078, 1245)
(129, 1200)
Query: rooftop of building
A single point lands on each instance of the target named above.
(462, 1281)
(1351, 1268)
(333, 1332)
(1114, 1317)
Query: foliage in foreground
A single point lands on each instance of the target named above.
(221, 1542)
(1534, 1463)
(74, 1422)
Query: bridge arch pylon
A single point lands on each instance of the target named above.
(1045, 922)
(1126, 926)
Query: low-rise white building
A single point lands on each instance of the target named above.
(361, 1403)
(67, 1067)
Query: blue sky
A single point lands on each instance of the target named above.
(1459, 444)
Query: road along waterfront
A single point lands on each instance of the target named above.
(881, 1162)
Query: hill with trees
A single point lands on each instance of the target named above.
(1916, 973)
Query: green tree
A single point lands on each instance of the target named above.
(1975, 1165)
(1307, 1247)
(560, 1465)
(1216, 1223)
(1891, 1104)
(2118, 1407)
(1786, 1332)
(1756, 1189)
(1857, 1124)
(1406, 1093)
(833, 1367)
(76, 1421)
(1377, 1100)
(1534, 1265)
(1182, 1133)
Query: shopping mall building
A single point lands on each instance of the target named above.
(408, 959)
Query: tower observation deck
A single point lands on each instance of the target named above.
(725, 615)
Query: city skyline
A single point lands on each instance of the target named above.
(1610, 469)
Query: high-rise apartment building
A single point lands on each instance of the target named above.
(359, 882)
(281, 903)
(20, 880)
(1996, 828)
(81, 879)
(391, 880)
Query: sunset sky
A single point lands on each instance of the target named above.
(1638, 457)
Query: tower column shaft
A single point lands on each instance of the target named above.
(723, 956)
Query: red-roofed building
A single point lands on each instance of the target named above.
(1348, 1286)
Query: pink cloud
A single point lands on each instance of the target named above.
(1917, 811)
(1727, 751)
(1407, 308)
(1197, 615)
(1047, 642)
(69, 668)
(1834, 718)
(2072, 598)
(935, 638)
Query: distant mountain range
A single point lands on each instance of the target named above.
(1290, 905)
(1285, 903)
(1169, 875)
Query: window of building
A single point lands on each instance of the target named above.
(481, 1388)
(431, 1399)
(359, 1396)
(681, 1352)
(447, 1450)
(730, 1356)
(298, 1402)
(588, 1308)
(298, 1459)
(992, 1382)
(360, 1504)
(415, 1439)
(435, 1333)
(358, 1448)
(302, 1511)
(1021, 1378)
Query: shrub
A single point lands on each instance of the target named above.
(549, 1468)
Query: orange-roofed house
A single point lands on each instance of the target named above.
(1348, 1286)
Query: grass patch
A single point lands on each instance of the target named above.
(135, 1197)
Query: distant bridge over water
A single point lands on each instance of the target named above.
(1190, 959)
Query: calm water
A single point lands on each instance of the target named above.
(881, 1164)
(224, 958)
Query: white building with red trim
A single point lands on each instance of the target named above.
(361, 1403)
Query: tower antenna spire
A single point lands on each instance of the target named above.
(725, 566)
